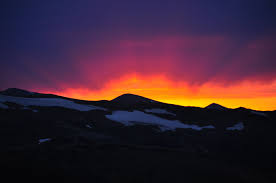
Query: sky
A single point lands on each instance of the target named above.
(189, 53)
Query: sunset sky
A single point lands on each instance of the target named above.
(190, 53)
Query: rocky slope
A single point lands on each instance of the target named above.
(132, 139)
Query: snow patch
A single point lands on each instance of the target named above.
(159, 111)
(238, 126)
(259, 113)
(88, 126)
(49, 102)
(208, 127)
(137, 117)
(27, 108)
(44, 140)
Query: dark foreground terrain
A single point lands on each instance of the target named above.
(48, 143)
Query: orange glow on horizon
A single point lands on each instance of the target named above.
(253, 95)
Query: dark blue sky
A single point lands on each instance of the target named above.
(46, 43)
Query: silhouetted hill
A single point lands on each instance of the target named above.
(216, 107)
(131, 99)
(17, 92)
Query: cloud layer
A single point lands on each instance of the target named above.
(57, 45)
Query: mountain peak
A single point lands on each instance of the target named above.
(216, 107)
(130, 99)
(17, 92)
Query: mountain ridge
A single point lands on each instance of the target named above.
(130, 131)
(126, 99)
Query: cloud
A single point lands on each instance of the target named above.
(194, 60)
(57, 45)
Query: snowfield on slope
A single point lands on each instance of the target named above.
(159, 111)
(238, 126)
(49, 102)
(44, 140)
(259, 113)
(137, 117)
